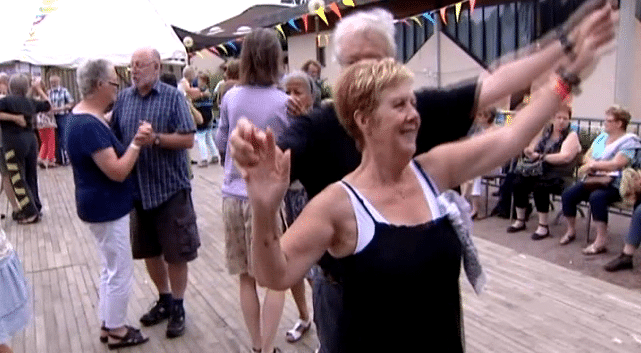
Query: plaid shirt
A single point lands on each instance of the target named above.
(59, 97)
(160, 172)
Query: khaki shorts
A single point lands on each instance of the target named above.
(237, 218)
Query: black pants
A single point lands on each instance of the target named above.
(541, 188)
(21, 154)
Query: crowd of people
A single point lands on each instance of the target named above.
(349, 193)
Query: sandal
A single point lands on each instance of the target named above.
(593, 250)
(133, 337)
(297, 332)
(537, 236)
(567, 239)
(513, 229)
(105, 330)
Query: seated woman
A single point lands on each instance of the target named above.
(630, 191)
(610, 152)
(559, 147)
(386, 222)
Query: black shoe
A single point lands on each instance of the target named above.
(537, 236)
(623, 262)
(513, 229)
(176, 326)
(156, 314)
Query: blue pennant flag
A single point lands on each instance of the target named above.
(292, 23)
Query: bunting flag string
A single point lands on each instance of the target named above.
(292, 23)
(336, 10)
(321, 13)
(279, 28)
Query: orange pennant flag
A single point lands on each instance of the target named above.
(472, 4)
(334, 7)
(321, 13)
(305, 21)
(457, 8)
(348, 3)
(443, 12)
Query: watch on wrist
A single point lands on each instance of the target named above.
(157, 140)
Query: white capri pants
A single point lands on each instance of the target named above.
(116, 275)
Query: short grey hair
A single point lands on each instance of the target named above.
(90, 72)
(312, 88)
(19, 84)
(189, 71)
(364, 23)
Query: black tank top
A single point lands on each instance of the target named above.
(401, 292)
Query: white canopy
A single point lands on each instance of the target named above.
(64, 32)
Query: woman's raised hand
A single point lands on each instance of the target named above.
(268, 176)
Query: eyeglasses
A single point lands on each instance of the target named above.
(139, 65)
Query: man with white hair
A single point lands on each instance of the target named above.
(164, 231)
(322, 152)
(61, 102)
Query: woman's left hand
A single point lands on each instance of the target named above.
(268, 178)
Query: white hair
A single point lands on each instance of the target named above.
(90, 72)
(312, 88)
(364, 23)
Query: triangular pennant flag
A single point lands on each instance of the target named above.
(321, 13)
(443, 13)
(292, 23)
(279, 28)
(305, 21)
(334, 7)
(472, 4)
(415, 19)
(405, 21)
(222, 47)
(348, 3)
(428, 16)
(231, 44)
(457, 8)
(200, 55)
(214, 50)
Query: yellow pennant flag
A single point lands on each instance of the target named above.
(279, 28)
(222, 47)
(200, 55)
(321, 13)
(457, 8)
(348, 3)
(415, 19)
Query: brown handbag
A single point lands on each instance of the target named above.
(594, 182)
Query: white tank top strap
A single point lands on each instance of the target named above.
(365, 225)
(429, 189)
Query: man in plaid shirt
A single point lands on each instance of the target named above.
(61, 103)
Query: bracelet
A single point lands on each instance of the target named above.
(134, 146)
(570, 79)
(561, 88)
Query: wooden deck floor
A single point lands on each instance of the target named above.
(530, 305)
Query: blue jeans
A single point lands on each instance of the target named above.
(62, 157)
(599, 200)
(634, 233)
(328, 310)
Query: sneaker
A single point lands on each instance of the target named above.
(622, 262)
(176, 326)
(156, 314)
